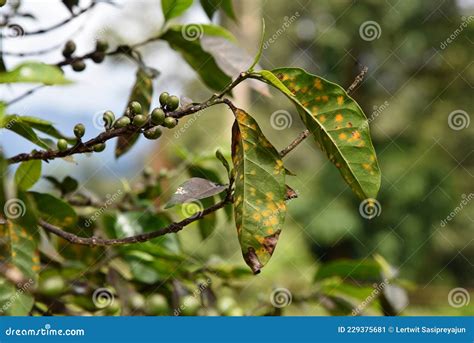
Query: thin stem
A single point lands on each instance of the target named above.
(172, 228)
(301, 137)
(88, 146)
(57, 25)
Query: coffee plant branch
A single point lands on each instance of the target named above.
(59, 24)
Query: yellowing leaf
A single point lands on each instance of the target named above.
(337, 123)
(259, 198)
(18, 251)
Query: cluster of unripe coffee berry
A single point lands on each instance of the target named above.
(158, 116)
(79, 131)
(78, 64)
(134, 116)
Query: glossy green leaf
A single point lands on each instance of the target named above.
(34, 72)
(46, 127)
(211, 6)
(27, 174)
(259, 199)
(186, 39)
(54, 210)
(14, 123)
(337, 123)
(174, 8)
(142, 92)
(18, 252)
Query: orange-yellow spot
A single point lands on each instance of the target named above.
(270, 231)
(342, 136)
(269, 195)
(322, 119)
(340, 100)
(339, 117)
(325, 98)
(317, 84)
(257, 217)
(356, 134)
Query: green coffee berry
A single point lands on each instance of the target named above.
(78, 65)
(152, 133)
(139, 120)
(170, 122)
(69, 48)
(3, 3)
(99, 147)
(135, 107)
(158, 116)
(164, 98)
(62, 144)
(157, 305)
(122, 122)
(189, 305)
(172, 103)
(108, 118)
(79, 131)
(101, 45)
(98, 56)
